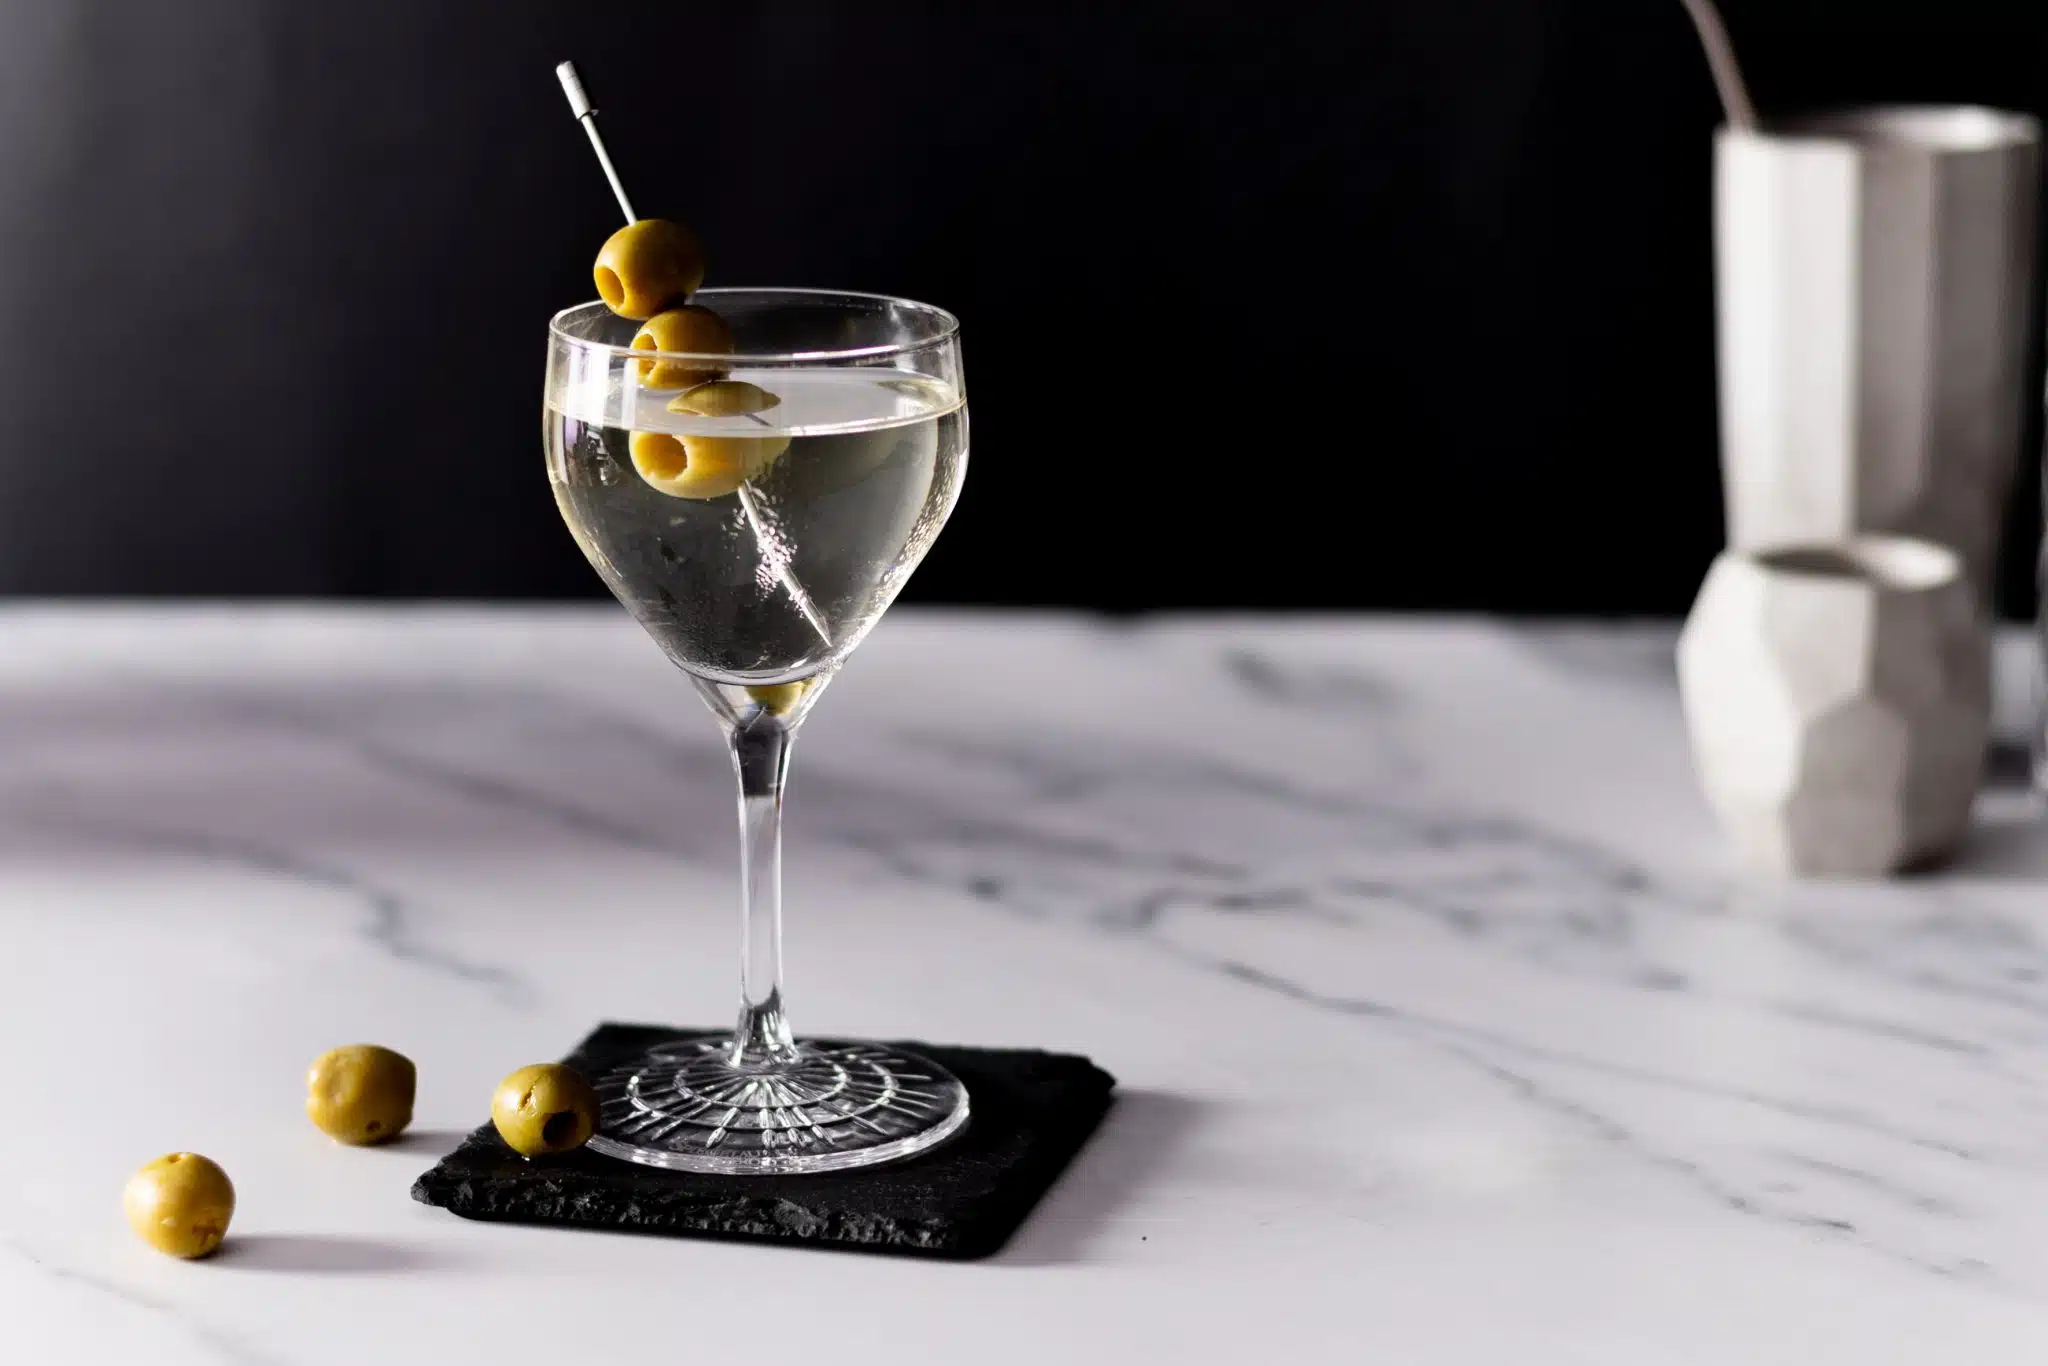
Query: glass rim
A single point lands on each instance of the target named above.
(948, 331)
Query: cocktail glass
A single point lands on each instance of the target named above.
(758, 528)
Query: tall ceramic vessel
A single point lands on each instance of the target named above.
(1875, 273)
(1838, 697)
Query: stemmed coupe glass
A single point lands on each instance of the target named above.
(758, 548)
(757, 508)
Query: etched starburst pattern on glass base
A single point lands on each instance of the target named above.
(687, 1106)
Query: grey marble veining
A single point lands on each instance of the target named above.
(1411, 940)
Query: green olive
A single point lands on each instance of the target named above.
(180, 1204)
(361, 1093)
(683, 467)
(690, 330)
(778, 698)
(701, 466)
(647, 266)
(543, 1109)
(724, 398)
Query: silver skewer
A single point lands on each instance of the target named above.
(586, 114)
(774, 554)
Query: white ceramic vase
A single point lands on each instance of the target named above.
(1838, 699)
(1875, 277)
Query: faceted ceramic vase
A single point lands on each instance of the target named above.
(1875, 279)
(1838, 696)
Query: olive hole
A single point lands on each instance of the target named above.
(608, 286)
(373, 1126)
(558, 1128)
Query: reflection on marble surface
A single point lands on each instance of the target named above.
(1411, 941)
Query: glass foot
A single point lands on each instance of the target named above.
(687, 1106)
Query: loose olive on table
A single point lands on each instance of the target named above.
(692, 330)
(544, 1109)
(701, 466)
(180, 1204)
(361, 1093)
(648, 266)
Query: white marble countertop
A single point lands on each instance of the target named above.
(1444, 1032)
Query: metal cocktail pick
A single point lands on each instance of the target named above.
(586, 114)
(774, 552)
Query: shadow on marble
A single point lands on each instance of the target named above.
(1143, 1132)
(2008, 839)
(436, 1143)
(1634, 653)
(321, 1254)
(395, 766)
(446, 766)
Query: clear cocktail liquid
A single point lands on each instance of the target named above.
(778, 581)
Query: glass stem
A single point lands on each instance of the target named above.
(760, 754)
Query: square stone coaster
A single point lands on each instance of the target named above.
(1030, 1114)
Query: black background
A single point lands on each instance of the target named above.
(1399, 304)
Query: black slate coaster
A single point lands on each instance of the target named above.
(1031, 1112)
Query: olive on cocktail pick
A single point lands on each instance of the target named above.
(701, 466)
(687, 466)
(649, 265)
(692, 330)
(668, 466)
(724, 398)
(757, 453)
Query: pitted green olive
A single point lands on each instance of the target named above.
(673, 468)
(648, 266)
(544, 1109)
(691, 330)
(180, 1204)
(361, 1093)
(778, 698)
(724, 398)
(701, 466)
